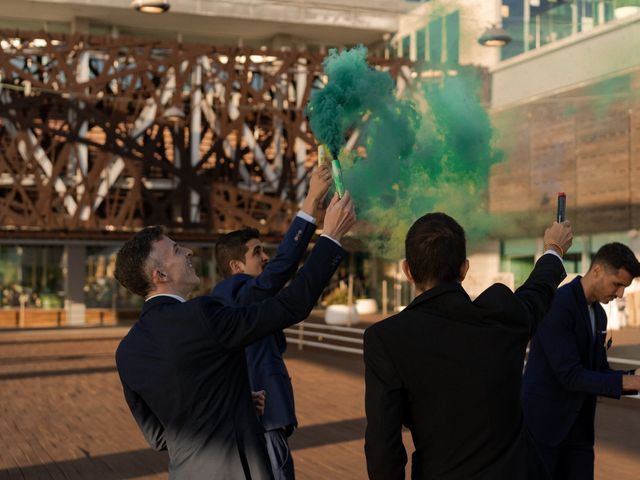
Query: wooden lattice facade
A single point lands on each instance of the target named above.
(109, 135)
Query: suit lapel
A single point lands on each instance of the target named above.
(601, 334)
(585, 320)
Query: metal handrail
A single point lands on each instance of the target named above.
(626, 361)
(334, 328)
(326, 346)
(325, 335)
(299, 331)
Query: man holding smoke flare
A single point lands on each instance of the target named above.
(182, 365)
(250, 277)
(450, 369)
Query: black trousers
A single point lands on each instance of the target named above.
(574, 457)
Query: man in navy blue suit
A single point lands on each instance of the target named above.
(182, 365)
(567, 366)
(250, 277)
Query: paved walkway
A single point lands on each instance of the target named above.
(62, 415)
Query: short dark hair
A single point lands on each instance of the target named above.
(435, 249)
(616, 256)
(233, 246)
(132, 259)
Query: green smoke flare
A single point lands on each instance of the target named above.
(354, 90)
(429, 151)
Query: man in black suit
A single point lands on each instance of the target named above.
(250, 277)
(567, 366)
(182, 364)
(449, 368)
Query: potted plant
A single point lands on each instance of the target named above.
(338, 311)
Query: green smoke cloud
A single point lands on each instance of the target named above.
(428, 151)
(354, 90)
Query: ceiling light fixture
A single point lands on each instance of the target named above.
(494, 36)
(151, 6)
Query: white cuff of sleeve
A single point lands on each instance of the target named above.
(553, 252)
(332, 239)
(307, 217)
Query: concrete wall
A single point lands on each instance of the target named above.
(585, 58)
(324, 22)
(484, 269)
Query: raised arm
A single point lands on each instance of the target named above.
(536, 294)
(283, 266)
(236, 327)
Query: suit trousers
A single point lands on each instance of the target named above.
(279, 454)
(573, 458)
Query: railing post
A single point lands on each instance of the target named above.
(300, 335)
(349, 299)
(385, 299)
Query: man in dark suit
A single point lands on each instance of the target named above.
(567, 366)
(182, 365)
(250, 277)
(449, 368)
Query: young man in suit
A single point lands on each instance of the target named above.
(567, 366)
(250, 277)
(450, 369)
(182, 364)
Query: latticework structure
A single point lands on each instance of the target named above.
(100, 134)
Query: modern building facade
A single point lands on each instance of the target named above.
(111, 120)
(564, 103)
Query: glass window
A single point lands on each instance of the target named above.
(452, 24)
(572, 262)
(101, 289)
(513, 23)
(520, 267)
(435, 40)
(421, 44)
(33, 275)
(518, 257)
(203, 262)
(552, 20)
(406, 46)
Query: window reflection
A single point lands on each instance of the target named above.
(31, 276)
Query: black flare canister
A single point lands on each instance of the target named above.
(562, 207)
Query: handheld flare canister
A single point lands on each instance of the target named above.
(336, 169)
(562, 207)
(321, 156)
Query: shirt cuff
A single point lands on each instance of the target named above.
(553, 252)
(332, 239)
(307, 217)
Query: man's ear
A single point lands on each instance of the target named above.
(407, 270)
(464, 268)
(158, 276)
(236, 266)
(598, 269)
